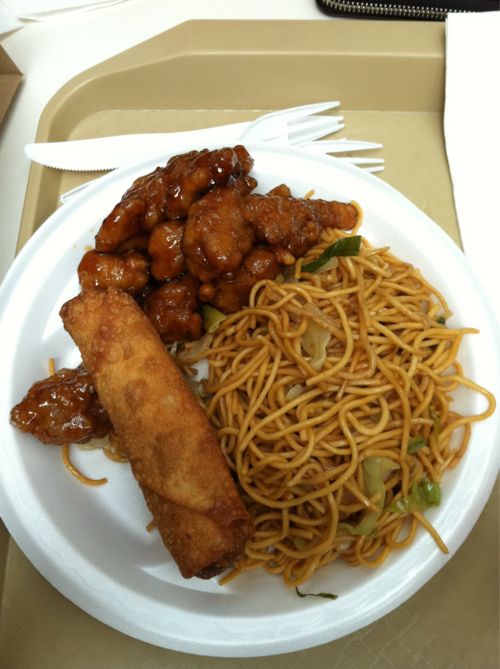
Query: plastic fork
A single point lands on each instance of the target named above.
(297, 125)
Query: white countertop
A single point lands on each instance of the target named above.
(50, 53)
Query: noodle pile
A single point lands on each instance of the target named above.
(334, 455)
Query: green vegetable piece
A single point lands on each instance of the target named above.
(415, 444)
(424, 494)
(211, 317)
(431, 492)
(325, 595)
(374, 469)
(441, 320)
(314, 341)
(348, 246)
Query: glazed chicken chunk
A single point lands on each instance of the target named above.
(195, 231)
(217, 236)
(168, 192)
(226, 226)
(173, 310)
(127, 271)
(62, 409)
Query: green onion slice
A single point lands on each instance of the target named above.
(347, 246)
(325, 595)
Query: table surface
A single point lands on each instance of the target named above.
(50, 53)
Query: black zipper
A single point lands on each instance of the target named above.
(422, 10)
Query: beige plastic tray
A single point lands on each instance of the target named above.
(390, 80)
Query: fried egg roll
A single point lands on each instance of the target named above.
(173, 450)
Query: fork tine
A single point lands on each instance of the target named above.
(361, 161)
(315, 128)
(312, 122)
(367, 165)
(341, 146)
(276, 124)
(374, 170)
(302, 110)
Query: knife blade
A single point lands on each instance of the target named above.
(107, 153)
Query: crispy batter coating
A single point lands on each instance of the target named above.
(62, 409)
(226, 226)
(172, 308)
(295, 224)
(231, 293)
(123, 223)
(172, 449)
(165, 249)
(127, 271)
(216, 236)
(168, 192)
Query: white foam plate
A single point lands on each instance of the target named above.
(91, 543)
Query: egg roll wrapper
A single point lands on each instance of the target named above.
(173, 450)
